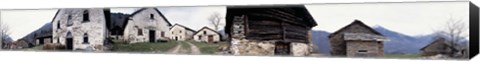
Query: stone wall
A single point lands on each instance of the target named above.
(142, 21)
(204, 37)
(180, 33)
(95, 28)
(246, 47)
(373, 49)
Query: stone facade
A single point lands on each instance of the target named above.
(269, 30)
(146, 25)
(80, 29)
(181, 33)
(206, 35)
(356, 40)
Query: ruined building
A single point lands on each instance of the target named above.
(81, 28)
(356, 40)
(268, 30)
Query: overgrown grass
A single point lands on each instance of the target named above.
(36, 48)
(144, 47)
(207, 48)
(402, 56)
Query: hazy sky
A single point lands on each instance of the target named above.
(406, 18)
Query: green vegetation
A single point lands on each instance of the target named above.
(208, 48)
(402, 56)
(185, 46)
(144, 47)
(36, 48)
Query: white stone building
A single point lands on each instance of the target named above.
(206, 35)
(80, 29)
(146, 25)
(181, 33)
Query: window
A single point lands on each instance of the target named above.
(180, 31)
(69, 20)
(205, 32)
(58, 25)
(163, 34)
(200, 37)
(140, 32)
(151, 16)
(85, 38)
(362, 51)
(86, 16)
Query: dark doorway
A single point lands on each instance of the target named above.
(69, 41)
(176, 38)
(282, 48)
(151, 35)
(41, 41)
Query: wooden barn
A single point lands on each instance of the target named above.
(181, 33)
(269, 30)
(356, 40)
(206, 35)
(438, 46)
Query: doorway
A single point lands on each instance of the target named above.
(210, 38)
(282, 48)
(151, 35)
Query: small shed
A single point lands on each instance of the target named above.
(438, 46)
(206, 35)
(356, 40)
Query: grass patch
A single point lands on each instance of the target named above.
(402, 56)
(185, 46)
(208, 48)
(36, 48)
(144, 47)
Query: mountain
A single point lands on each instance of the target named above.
(321, 42)
(399, 43)
(45, 29)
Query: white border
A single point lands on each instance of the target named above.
(75, 56)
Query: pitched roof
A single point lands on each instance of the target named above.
(205, 27)
(441, 40)
(356, 22)
(183, 27)
(158, 11)
(53, 19)
(299, 12)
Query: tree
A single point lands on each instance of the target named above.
(454, 30)
(215, 20)
(3, 33)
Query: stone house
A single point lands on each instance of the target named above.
(438, 46)
(206, 35)
(81, 28)
(269, 30)
(356, 40)
(181, 33)
(146, 25)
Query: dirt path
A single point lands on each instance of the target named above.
(194, 49)
(175, 49)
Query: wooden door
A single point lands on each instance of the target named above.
(210, 38)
